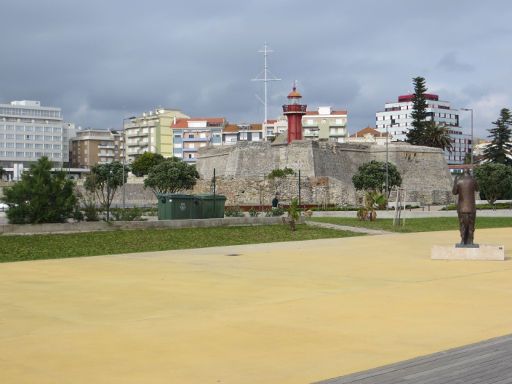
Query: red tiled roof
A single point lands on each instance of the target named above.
(231, 128)
(183, 123)
(236, 128)
(180, 123)
(368, 130)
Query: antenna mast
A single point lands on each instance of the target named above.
(266, 76)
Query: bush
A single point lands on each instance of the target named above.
(41, 196)
(127, 214)
(233, 212)
(253, 212)
(91, 213)
(277, 211)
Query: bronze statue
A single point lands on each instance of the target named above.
(465, 187)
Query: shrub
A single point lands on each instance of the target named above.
(233, 212)
(253, 212)
(127, 214)
(41, 196)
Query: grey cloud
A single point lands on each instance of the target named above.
(451, 62)
(101, 61)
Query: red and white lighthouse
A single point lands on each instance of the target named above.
(294, 112)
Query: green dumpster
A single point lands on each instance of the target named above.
(211, 206)
(173, 206)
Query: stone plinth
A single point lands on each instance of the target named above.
(483, 252)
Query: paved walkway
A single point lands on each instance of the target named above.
(295, 312)
(348, 228)
(486, 362)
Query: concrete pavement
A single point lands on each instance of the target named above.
(270, 313)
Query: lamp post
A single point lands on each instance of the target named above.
(472, 138)
(387, 160)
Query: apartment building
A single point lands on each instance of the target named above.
(190, 134)
(234, 133)
(150, 132)
(396, 119)
(370, 135)
(29, 131)
(96, 146)
(272, 128)
(325, 124)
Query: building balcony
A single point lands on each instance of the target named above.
(136, 134)
(190, 149)
(196, 139)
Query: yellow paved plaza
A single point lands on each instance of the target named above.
(277, 313)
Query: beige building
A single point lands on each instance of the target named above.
(369, 135)
(96, 146)
(151, 132)
(325, 124)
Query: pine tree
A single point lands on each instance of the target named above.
(500, 149)
(419, 112)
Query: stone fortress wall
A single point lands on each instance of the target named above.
(326, 171)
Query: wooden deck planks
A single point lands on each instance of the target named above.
(488, 362)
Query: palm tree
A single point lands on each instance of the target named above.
(436, 135)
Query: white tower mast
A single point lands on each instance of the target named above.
(267, 77)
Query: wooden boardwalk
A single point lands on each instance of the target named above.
(488, 362)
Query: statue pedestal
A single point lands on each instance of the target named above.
(482, 252)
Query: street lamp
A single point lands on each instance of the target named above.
(472, 138)
(387, 160)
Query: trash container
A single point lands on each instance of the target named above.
(211, 206)
(173, 206)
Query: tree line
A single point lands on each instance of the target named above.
(46, 196)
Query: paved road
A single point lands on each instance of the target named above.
(487, 362)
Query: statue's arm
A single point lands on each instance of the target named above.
(455, 189)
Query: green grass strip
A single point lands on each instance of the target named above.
(36, 247)
(418, 225)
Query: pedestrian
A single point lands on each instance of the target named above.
(275, 201)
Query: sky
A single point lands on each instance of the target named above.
(103, 61)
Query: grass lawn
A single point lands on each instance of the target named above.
(418, 225)
(35, 247)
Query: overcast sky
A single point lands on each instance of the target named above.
(101, 61)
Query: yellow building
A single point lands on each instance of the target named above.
(151, 132)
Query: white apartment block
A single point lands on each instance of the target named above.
(29, 131)
(193, 133)
(396, 119)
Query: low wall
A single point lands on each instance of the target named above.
(33, 229)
